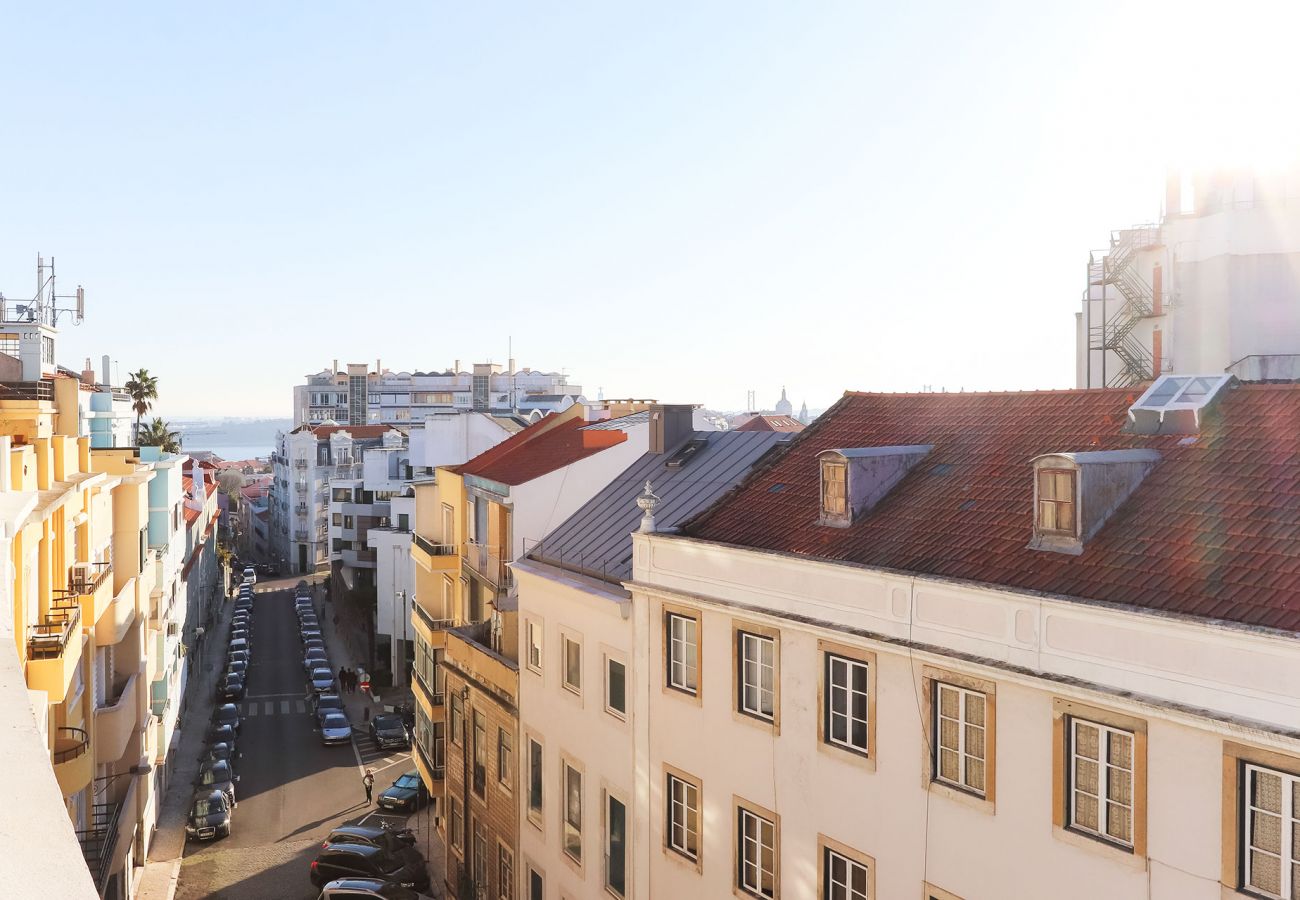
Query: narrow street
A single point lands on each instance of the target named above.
(293, 789)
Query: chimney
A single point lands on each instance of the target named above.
(335, 370)
(379, 366)
(670, 424)
(88, 374)
(1173, 194)
(106, 364)
(456, 371)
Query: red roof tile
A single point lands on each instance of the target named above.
(533, 453)
(784, 424)
(1210, 532)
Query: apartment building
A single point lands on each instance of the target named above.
(577, 741)
(1213, 287)
(947, 646)
(358, 395)
(471, 521)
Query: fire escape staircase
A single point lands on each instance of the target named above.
(1117, 270)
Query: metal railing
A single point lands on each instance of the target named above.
(300, 534)
(434, 624)
(434, 549)
(300, 463)
(75, 741)
(27, 390)
(48, 638)
(82, 581)
(435, 770)
(487, 561)
(97, 841)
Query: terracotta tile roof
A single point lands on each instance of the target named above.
(786, 424)
(539, 449)
(1210, 532)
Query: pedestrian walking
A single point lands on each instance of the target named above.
(368, 782)
(343, 679)
(351, 682)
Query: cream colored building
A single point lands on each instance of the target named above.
(951, 646)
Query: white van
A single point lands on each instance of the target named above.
(250, 576)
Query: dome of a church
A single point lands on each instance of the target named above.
(783, 406)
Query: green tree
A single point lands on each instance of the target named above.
(143, 389)
(159, 434)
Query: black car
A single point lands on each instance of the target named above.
(217, 776)
(238, 667)
(388, 730)
(407, 793)
(347, 860)
(209, 816)
(222, 734)
(232, 687)
(226, 714)
(218, 752)
(396, 841)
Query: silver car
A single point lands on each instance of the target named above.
(315, 659)
(322, 680)
(335, 728)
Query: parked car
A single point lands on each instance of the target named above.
(244, 603)
(238, 644)
(351, 888)
(250, 575)
(218, 776)
(222, 734)
(335, 728)
(209, 816)
(238, 667)
(309, 621)
(344, 860)
(242, 634)
(315, 659)
(313, 644)
(388, 730)
(227, 714)
(407, 793)
(242, 619)
(309, 633)
(324, 704)
(396, 841)
(322, 680)
(232, 687)
(219, 752)
(238, 655)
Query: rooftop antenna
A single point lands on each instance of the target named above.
(45, 307)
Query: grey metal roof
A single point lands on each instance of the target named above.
(596, 540)
(619, 423)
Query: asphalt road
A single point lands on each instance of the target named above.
(292, 789)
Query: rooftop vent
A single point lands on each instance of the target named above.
(1174, 404)
(855, 479)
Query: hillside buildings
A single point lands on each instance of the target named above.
(358, 395)
(1213, 287)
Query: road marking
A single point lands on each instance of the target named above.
(284, 707)
(252, 709)
(269, 707)
(396, 762)
(266, 696)
(299, 706)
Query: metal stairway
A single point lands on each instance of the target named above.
(1116, 269)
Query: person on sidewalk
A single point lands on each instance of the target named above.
(368, 782)
(343, 680)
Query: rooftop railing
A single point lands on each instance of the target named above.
(27, 390)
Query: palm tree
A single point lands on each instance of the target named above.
(159, 434)
(143, 389)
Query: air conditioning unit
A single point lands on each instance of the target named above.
(80, 577)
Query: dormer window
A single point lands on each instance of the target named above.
(1056, 501)
(835, 497)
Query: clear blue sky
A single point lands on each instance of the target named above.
(675, 200)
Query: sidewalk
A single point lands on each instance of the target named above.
(160, 872)
(347, 644)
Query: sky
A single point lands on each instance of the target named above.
(684, 201)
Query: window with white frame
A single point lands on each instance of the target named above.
(534, 779)
(1270, 832)
(1101, 781)
(457, 722)
(615, 687)
(843, 878)
(755, 853)
(846, 698)
(534, 631)
(572, 665)
(615, 846)
(683, 653)
(959, 737)
(757, 675)
(456, 826)
(505, 873)
(683, 817)
(572, 813)
(505, 757)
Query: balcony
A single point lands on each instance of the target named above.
(28, 390)
(301, 535)
(116, 722)
(435, 557)
(423, 761)
(364, 559)
(300, 509)
(112, 627)
(54, 650)
(487, 562)
(300, 463)
(73, 763)
(99, 843)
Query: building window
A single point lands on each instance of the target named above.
(1056, 501)
(480, 755)
(504, 757)
(847, 713)
(479, 856)
(615, 846)
(534, 632)
(959, 737)
(843, 878)
(755, 853)
(1101, 781)
(573, 813)
(534, 780)
(615, 687)
(683, 827)
(572, 665)
(338, 519)
(835, 477)
(1271, 833)
(536, 886)
(457, 721)
(457, 827)
(505, 873)
(683, 652)
(756, 678)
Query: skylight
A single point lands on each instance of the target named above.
(1174, 404)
